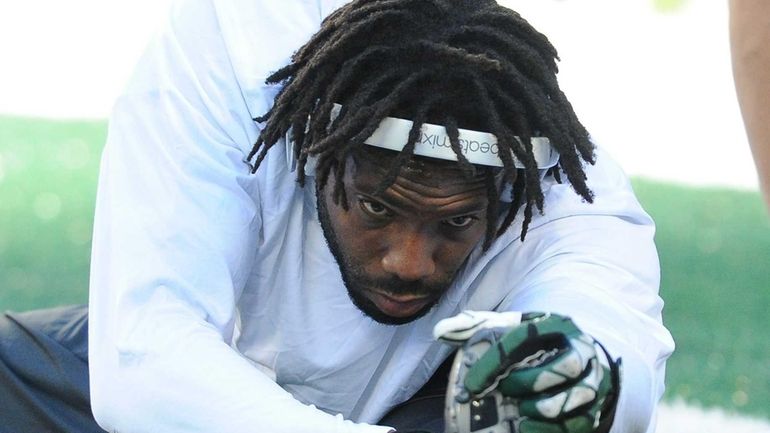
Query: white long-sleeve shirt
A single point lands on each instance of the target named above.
(215, 303)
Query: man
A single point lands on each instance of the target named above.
(417, 160)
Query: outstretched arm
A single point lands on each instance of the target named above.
(597, 264)
(750, 44)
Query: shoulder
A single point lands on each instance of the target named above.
(613, 195)
(611, 228)
(257, 36)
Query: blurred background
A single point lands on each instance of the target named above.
(651, 80)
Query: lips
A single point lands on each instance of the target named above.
(398, 305)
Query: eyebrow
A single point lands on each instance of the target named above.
(394, 199)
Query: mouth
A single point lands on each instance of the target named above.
(398, 306)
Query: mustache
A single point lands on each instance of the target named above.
(396, 286)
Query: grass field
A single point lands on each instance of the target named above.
(714, 247)
(715, 256)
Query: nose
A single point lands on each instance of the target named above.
(410, 257)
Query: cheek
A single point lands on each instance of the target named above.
(454, 255)
(365, 244)
(455, 251)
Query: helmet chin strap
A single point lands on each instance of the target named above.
(478, 147)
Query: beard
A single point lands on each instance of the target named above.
(357, 282)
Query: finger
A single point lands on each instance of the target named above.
(526, 346)
(585, 397)
(565, 367)
(535, 426)
(580, 424)
(461, 327)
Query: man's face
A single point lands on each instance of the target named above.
(399, 252)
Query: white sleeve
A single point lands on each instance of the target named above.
(177, 223)
(598, 264)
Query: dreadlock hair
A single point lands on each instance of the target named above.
(460, 63)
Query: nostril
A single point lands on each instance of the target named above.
(409, 265)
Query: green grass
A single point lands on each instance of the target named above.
(48, 174)
(715, 255)
(714, 247)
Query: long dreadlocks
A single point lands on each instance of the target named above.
(459, 63)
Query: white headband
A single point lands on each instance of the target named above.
(478, 147)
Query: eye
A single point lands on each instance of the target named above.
(461, 221)
(374, 208)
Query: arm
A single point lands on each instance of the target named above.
(597, 264)
(603, 294)
(749, 39)
(177, 221)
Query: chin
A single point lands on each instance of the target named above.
(369, 309)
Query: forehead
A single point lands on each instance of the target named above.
(423, 189)
(371, 164)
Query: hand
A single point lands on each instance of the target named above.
(558, 378)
